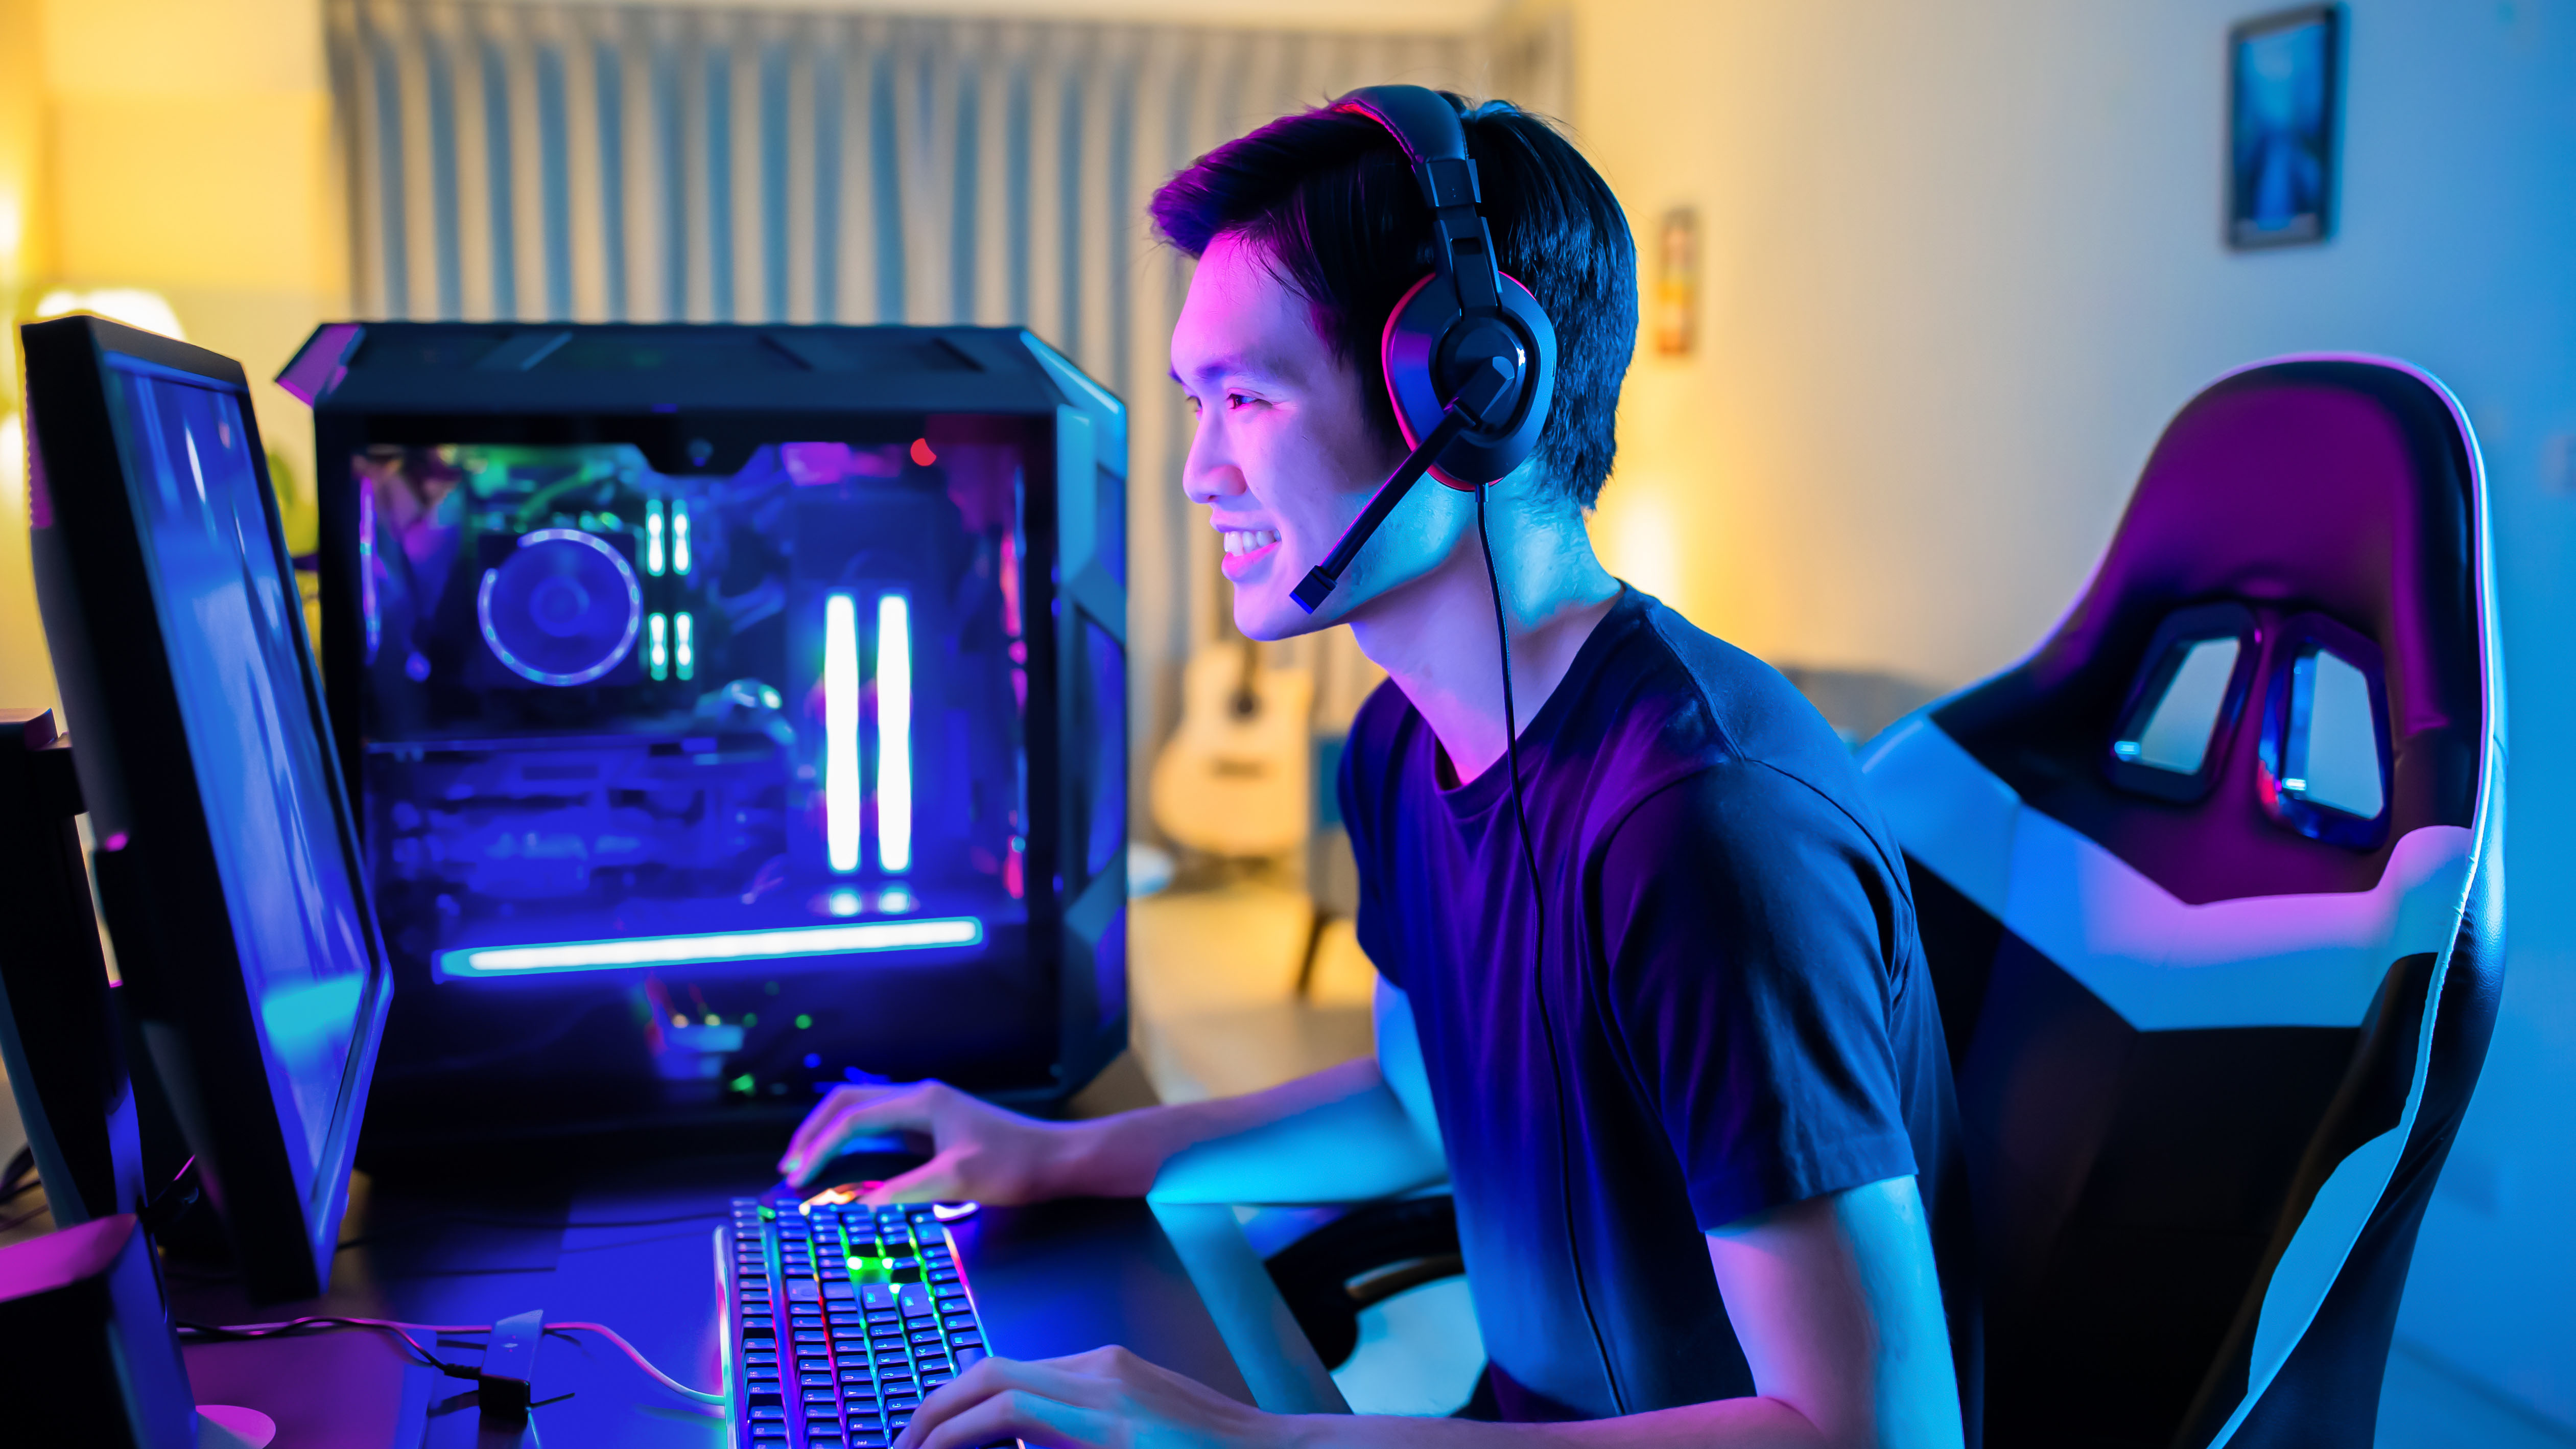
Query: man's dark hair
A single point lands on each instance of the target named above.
(1329, 200)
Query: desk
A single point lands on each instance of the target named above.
(1051, 1279)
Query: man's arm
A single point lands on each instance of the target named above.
(1834, 1299)
(1339, 1135)
(1376, 1140)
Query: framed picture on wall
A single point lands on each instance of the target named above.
(1676, 298)
(2284, 84)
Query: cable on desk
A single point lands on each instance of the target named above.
(237, 1331)
(668, 1382)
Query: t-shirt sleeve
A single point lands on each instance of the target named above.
(1747, 926)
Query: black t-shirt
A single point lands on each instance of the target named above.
(1729, 1012)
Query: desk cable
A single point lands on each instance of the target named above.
(234, 1332)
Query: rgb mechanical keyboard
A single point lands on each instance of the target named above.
(838, 1320)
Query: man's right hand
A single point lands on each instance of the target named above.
(979, 1152)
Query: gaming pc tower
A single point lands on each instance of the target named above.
(734, 711)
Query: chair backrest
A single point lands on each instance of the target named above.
(2210, 885)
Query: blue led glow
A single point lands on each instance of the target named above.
(684, 649)
(679, 538)
(702, 950)
(841, 732)
(657, 647)
(367, 607)
(653, 538)
(894, 735)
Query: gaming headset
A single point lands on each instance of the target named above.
(1470, 361)
(1470, 356)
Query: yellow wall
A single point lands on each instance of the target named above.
(1902, 437)
(183, 147)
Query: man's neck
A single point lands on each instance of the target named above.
(1435, 635)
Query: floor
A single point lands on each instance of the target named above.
(1213, 974)
(1212, 981)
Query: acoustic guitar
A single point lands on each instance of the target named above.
(1236, 777)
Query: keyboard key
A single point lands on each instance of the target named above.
(823, 1396)
(966, 1338)
(819, 1440)
(761, 1413)
(814, 1380)
(769, 1431)
(966, 1358)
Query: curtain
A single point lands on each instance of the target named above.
(590, 162)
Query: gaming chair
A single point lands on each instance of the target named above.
(2211, 887)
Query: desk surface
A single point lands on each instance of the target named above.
(633, 1249)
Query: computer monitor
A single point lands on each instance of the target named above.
(227, 863)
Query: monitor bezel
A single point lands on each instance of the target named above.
(157, 864)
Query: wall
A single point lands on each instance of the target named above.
(184, 147)
(1962, 262)
(26, 677)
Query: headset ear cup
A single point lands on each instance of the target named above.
(1410, 350)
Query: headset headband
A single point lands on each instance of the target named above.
(1434, 138)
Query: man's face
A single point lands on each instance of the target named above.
(1283, 456)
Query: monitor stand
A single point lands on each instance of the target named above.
(230, 1426)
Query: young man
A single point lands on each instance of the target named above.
(1689, 1085)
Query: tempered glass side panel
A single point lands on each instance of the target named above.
(697, 729)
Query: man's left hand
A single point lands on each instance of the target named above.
(1107, 1398)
